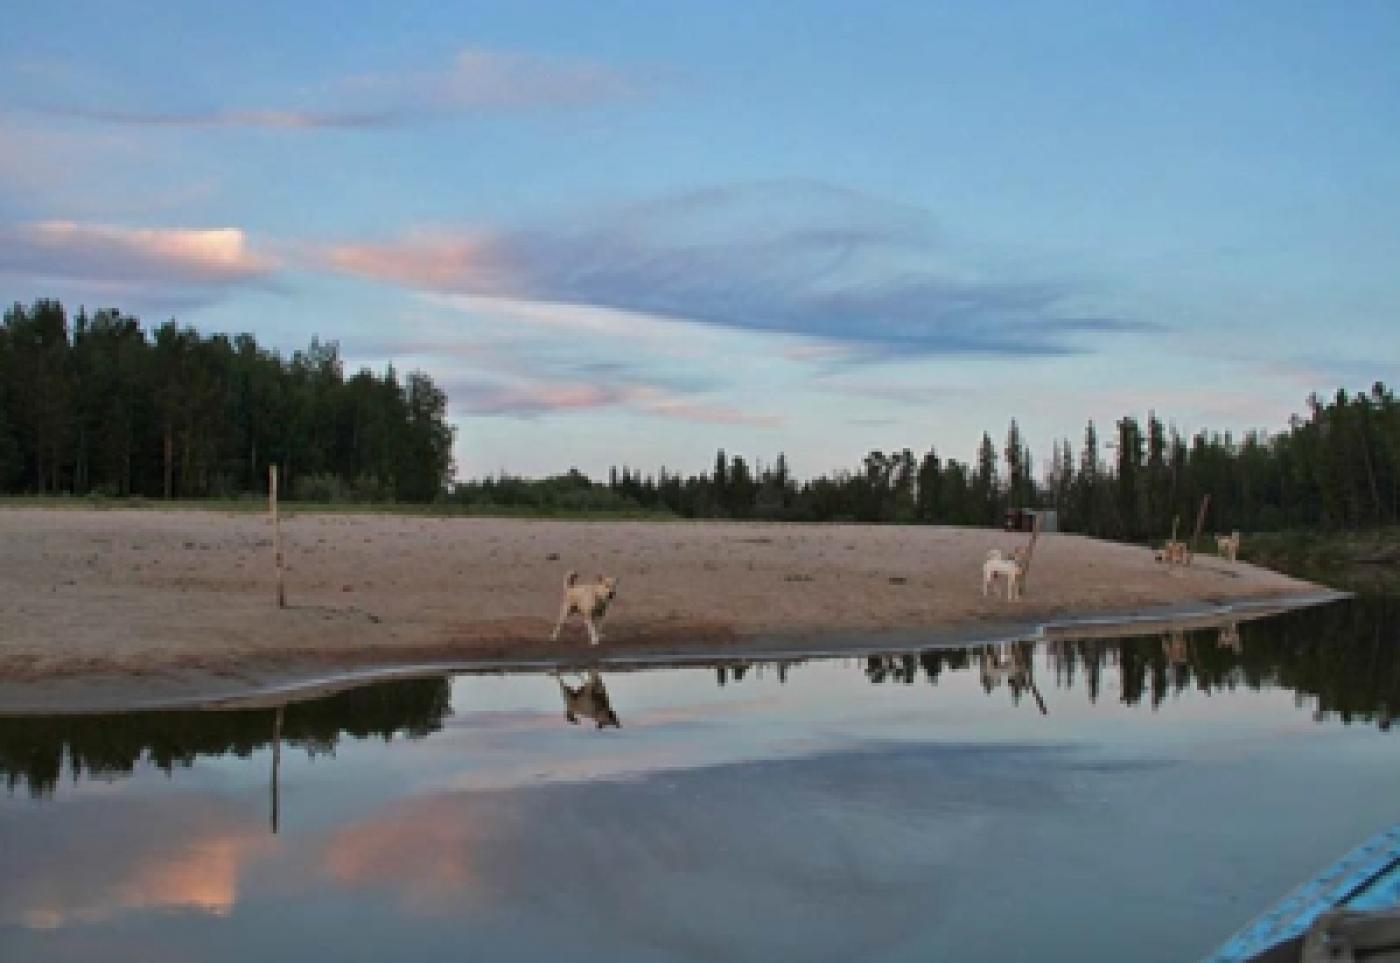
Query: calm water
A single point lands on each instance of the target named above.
(915, 807)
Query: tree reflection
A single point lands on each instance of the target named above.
(1345, 656)
(36, 749)
(1342, 660)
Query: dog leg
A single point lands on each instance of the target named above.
(563, 614)
(593, 635)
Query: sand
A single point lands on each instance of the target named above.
(149, 601)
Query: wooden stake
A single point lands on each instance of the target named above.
(1030, 547)
(276, 534)
(1200, 520)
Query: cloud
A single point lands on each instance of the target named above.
(476, 81)
(481, 80)
(107, 253)
(426, 259)
(526, 359)
(826, 264)
(156, 856)
(530, 399)
(280, 119)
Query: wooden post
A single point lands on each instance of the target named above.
(276, 534)
(1200, 520)
(1028, 553)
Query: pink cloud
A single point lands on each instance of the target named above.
(103, 252)
(426, 259)
(525, 399)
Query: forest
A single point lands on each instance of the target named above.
(1335, 468)
(97, 405)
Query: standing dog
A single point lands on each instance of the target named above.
(999, 566)
(1174, 553)
(589, 700)
(1228, 545)
(590, 601)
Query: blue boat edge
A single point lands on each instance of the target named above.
(1366, 878)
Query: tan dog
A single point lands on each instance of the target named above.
(1174, 553)
(589, 700)
(589, 600)
(1228, 545)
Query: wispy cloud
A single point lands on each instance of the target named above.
(530, 399)
(429, 260)
(476, 81)
(281, 119)
(483, 80)
(526, 360)
(789, 258)
(104, 252)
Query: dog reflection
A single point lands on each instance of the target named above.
(1175, 649)
(1010, 663)
(589, 700)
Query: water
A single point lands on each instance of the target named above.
(901, 808)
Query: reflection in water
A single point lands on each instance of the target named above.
(890, 794)
(1009, 662)
(1344, 656)
(35, 748)
(589, 700)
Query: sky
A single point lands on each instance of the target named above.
(634, 233)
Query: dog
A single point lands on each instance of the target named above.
(1174, 648)
(589, 600)
(589, 700)
(997, 566)
(1009, 662)
(1228, 545)
(1173, 553)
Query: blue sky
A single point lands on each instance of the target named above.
(637, 232)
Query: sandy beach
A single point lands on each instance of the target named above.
(149, 601)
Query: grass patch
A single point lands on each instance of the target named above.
(1366, 562)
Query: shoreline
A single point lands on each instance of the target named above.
(99, 693)
(115, 606)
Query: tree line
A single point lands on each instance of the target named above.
(1336, 467)
(96, 404)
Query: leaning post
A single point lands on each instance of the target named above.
(276, 534)
(1200, 521)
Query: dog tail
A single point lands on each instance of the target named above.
(570, 579)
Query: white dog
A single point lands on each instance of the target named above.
(997, 566)
(1228, 545)
(590, 601)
